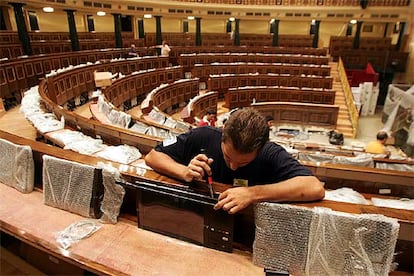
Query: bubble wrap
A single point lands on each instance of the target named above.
(16, 166)
(319, 241)
(363, 160)
(113, 195)
(68, 185)
(316, 157)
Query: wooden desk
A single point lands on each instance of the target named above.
(21, 226)
(120, 249)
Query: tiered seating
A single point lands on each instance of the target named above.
(222, 83)
(189, 60)
(300, 113)
(244, 96)
(377, 51)
(198, 106)
(169, 97)
(203, 71)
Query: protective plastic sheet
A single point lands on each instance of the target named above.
(346, 195)
(77, 231)
(363, 160)
(68, 185)
(402, 203)
(397, 167)
(319, 241)
(16, 166)
(316, 157)
(113, 195)
(124, 154)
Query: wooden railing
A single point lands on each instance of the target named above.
(349, 98)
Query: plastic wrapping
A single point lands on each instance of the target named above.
(363, 160)
(16, 166)
(319, 241)
(393, 166)
(346, 195)
(316, 157)
(402, 203)
(33, 110)
(124, 154)
(76, 232)
(71, 186)
(113, 195)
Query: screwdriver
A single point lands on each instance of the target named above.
(209, 178)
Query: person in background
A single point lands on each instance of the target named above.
(132, 51)
(239, 154)
(165, 49)
(209, 119)
(269, 120)
(378, 146)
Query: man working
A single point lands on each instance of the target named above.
(209, 119)
(378, 146)
(242, 155)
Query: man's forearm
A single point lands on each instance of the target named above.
(300, 188)
(164, 164)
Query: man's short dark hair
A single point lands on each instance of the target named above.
(269, 118)
(211, 111)
(382, 135)
(247, 130)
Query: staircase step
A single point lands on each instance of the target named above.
(343, 123)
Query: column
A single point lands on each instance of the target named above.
(198, 32)
(316, 33)
(73, 34)
(158, 33)
(400, 36)
(385, 30)
(349, 27)
(275, 28)
(22, 28)
(117, 28)
(357, 35)
(141, 33)
(236, 33)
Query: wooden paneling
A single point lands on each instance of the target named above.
(300, 113)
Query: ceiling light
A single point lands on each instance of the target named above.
(48, 9)
(101, 13)
(353, 21)
(232, 19)
(190, 17)
(147, 16)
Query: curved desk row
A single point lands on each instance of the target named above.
(222, 83)
(19, 74)
(244, 96)
(178, 50)
(189, 60)
(203, 71)
(169, 97)
(300, 113)
(198, 106)
(133, 88)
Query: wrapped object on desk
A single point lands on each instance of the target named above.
(17, 167)
(319, 241)
(76, 232)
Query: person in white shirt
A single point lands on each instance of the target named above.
(165, 49)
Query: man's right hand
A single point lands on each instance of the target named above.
(198, 167)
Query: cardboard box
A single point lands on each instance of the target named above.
(103, 79)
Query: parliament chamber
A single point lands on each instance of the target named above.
(73, 145)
